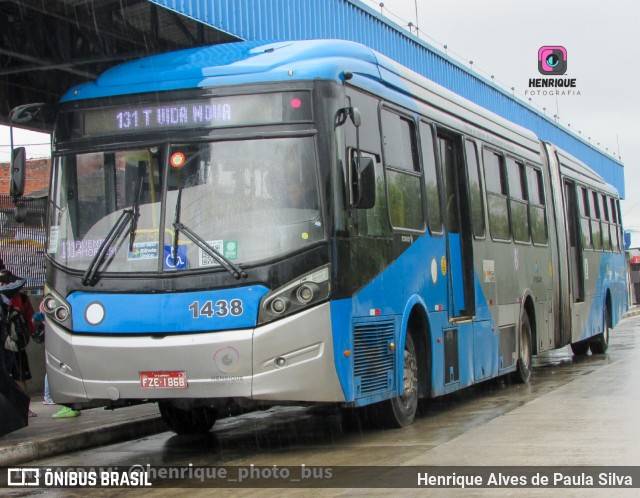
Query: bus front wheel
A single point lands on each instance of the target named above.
(197, 420)
(401, 410)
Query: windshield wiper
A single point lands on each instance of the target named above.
(176, 219)
(89, 276)
(235, 270)
(129, 217)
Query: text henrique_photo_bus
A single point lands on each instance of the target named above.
(254, 224)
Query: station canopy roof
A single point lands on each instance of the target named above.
(47, 47)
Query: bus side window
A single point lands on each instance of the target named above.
(404, 186)
(585, 224)
(606, 223)
(431, 178)
(475, 192)
(518, 200)
(615, 241)
(596, 231)
(537, 211)
(496, 185)
(620, 234)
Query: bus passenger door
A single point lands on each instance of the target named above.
(458, 228)
(575, 246)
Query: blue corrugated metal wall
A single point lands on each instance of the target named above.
(353, 20)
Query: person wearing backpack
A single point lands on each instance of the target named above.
(19, 329)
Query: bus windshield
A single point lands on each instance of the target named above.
(250, 200)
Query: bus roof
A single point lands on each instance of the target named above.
(573, 167)
(256, 62)
(231, 64)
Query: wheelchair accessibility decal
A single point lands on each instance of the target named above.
(175, 261)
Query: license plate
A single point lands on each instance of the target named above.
(163, 380)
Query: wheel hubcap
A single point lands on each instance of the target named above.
(410, 377)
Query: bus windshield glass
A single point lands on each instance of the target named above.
(250, 200)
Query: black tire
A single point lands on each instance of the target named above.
(600, 343)
(580, 348)
(525, 355)
(198, 420)
(401, 410)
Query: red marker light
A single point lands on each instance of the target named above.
(177, 159)
(296, 103)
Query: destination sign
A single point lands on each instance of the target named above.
(235, 110)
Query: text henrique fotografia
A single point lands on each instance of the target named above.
(552, 62)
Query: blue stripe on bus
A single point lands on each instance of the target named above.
(226, 309)
(612, 277)
(409, 279)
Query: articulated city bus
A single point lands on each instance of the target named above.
(249, 224)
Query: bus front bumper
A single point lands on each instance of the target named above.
(287, 360)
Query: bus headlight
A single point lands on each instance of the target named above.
(279, 305)
(307, 290)
(56, 308)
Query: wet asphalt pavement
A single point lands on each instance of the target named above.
(580, 411)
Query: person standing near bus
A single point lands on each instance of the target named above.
(17, 362)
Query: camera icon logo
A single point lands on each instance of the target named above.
(552, 60)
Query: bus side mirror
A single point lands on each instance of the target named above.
(356, 118)
(18, 172)
(364, 183)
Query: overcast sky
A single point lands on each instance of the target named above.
(602, 39)
(502, 37)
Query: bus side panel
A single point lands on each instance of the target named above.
(610, 278)
(341, 326)
(365, 325)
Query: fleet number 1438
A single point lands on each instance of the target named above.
(220, 308)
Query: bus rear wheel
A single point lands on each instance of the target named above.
(580, 348)
(197, 420)
(523, 367)
(600, 343)
(401, 410)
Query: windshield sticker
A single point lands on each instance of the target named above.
(177, 261)
(231, 249)
(54, 236)
(206, 259)
(228, 248)
(143, 250)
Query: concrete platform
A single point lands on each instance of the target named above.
(46, 437)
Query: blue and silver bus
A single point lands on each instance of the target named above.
(256, 224)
